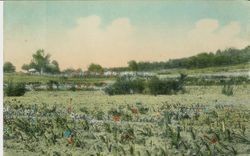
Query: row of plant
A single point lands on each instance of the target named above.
(169, 129)
(18, 89)
(218, 80)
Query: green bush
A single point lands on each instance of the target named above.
(72, 88)
(227, 90)
(14, 89)
(126, 85)
(153, 86)
(157, 86)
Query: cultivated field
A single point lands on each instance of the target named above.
(201, 121)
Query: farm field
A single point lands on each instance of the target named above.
(201, 121)
(104, 78)
(24, 78)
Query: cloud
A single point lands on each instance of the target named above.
(117, 42)
(208, 35)
(207, 25)
(90, 42)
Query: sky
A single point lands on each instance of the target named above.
(111, 33)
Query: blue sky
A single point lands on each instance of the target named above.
(150, 28)
(140, 13)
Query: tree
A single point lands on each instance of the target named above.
(68, 71)
(26, 67)
(8, 67)
(40, 60)
(95, 68)
(53, 67)
(133, 65)
(79, 70)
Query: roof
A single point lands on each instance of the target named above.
(32, 70)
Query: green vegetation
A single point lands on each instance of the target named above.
(208, 70)
(155, 86)
(41, 62)
(125, 85)
(8, 67)
(14, 89)
(227, 57)
(132, 65)
(43, 79)
(200, 122)
(71, 70)
(227, 90)
(95, 68)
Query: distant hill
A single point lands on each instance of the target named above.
(227, 57)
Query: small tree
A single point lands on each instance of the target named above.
(8, 67)
(26, 67)
(53, 67)
(95, 68)
(133, 65)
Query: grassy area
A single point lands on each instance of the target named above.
(24, 78)
(98, 100)
(215, 130)
(236, 68)
(18, 77)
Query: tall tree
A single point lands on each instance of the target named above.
(8, 67)
(41, 60)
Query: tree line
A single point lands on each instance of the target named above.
(41, 62)
(230, 56)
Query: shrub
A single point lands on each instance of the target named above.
(99, 84)
(72, 88)
(157, 86)
(126, 85)
(14, 89)
(227, 90)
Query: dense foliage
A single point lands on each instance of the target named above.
(125, 85)
(227, 90)
(14, 89)
(8, 67)
(155, 86)
(191, 124)
(230, 56)
(41, 63)
(95, 68)
(132, 65)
